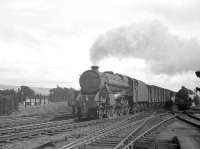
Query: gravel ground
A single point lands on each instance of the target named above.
(42, 109)
(44, 112)
(183, 132)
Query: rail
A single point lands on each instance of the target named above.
(132, 143)
(189, 119)
(46, 129)
(132, 125)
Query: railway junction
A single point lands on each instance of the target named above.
(159, 129)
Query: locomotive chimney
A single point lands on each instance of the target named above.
(95, 68)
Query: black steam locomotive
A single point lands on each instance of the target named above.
(108, 94)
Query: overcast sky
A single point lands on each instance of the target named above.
(46, 42)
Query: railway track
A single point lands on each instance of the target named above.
(13, 134)
(148, 139)
(191, 114)
(19, 121)
(189, 118)
(88, 131)
(30, 127)
(118, 135)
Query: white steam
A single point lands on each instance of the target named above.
(163, 52)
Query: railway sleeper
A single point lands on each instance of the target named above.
(107, 141)
(146, 143)
(6, 141)
(117, 136)
(101, 145)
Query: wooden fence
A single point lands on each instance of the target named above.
(8, 104)
(41, 100)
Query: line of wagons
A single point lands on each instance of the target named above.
(107, 94)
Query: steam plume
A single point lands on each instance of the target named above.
(163, 52)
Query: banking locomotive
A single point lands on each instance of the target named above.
(108, 94)
(184, 98)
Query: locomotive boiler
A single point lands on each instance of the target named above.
(108, 94)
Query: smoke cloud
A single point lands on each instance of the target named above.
(163, 52)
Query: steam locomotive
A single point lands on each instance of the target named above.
(108, 94)
(184, 98)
